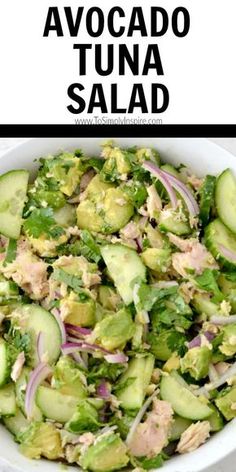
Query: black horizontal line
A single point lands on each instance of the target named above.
(116, 131)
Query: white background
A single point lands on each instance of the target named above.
(200, 70)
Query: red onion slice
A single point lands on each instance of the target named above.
(69, 348)
(78, 358)
(102, 390)
(160, 175)
(40, 373)
(77, 330)
(196, 342)
(185, 193)
(231, 372)
(118, 358)
(56, 313)
(40, 346)
(227, 252)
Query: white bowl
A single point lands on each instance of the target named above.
(202, 157)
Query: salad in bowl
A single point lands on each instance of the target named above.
(117, 302)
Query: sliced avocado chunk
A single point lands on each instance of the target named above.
(107, 454)
(183, 402)
(134, 382)
(108, 297)
(106, 209)
(77, 312)
(196, 362)
(228, 287)
(115, 330)
(125, 268)
(226, 404)
(41, 439)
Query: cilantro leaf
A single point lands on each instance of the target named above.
(88, 247)
(208, 281)
(70, 280)
(136, 192)
(41, 221)
(104, 370)
(94, 162)
(176, 342)
(149, 295)
(171, 311)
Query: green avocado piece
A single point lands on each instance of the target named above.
(105, 209)
(77, 312)
(157, 259)
(108, 297)
(196, 362)
(96, 188)
(226, 404)
(156, 238)
(228, 288)
(41, 439)
(228, 346)
(159, 345)
(107, 454)
(68, 379)
(88, 217)
(115, 330)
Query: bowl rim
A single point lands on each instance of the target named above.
(221, 444)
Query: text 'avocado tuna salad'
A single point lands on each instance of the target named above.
(117, 302)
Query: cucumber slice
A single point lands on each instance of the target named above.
(225, 402)
(226, 199)
(13, 189)
(178, 427)
(39, 320)
(125, 268)
(20, 388)
(203, 304)
(16, 424)
(5, 363)
(207, 193)
(183, 402)
(7, 401)
(216, 420)
(140, 371)
(168, 223)
(217, 234)
(55, 405)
